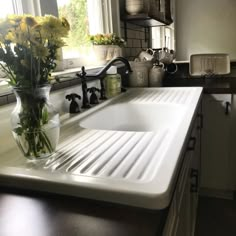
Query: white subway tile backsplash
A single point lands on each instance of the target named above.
(136, 43)
(129, 43)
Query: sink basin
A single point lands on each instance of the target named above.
(135, 117)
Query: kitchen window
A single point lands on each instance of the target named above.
(163, 36)
(85, 16)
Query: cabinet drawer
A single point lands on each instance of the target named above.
(183, 178)
(172, 219)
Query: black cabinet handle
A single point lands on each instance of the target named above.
(200, 116)
(194, 185)
(192, 144)
(227, 107)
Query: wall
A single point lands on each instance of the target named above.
(205, 26)
(135, 41)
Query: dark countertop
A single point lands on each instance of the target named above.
(40, 214)
(211, 85)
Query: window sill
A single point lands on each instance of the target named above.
(61, 80)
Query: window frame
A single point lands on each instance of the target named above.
(110, 21)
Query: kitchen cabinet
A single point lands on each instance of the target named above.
(183, 209)
(216, 177)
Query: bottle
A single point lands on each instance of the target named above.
(112, 82)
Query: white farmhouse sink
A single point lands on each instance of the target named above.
(126, 150)
(135, 117)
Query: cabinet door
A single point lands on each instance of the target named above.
(195, 172)
(216, 142)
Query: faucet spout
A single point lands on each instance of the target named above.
(110, 63)
(101, 74)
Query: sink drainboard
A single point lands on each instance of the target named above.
(111, 154)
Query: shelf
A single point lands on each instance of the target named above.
(144, 20)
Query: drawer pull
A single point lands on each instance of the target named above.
(227, 108)
(200, 116)
(192, 144)
(194, 177)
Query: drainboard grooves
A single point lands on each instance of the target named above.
(158, 96)
(168, 96)
(69, 149)
(149, 96)
(77, 171)
(165, 97)
(105, 163)
(183, 99)
(84, 153)
(74, 153)
(128, 149)
(144, 97)
(174, 96)
(101, 152)
(81, 135)
(136, 98)
(139, 154)
(69, 145)
(155, 151)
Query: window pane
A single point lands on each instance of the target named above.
(4, 11)
(7, 9)
(168, 37)
(75, 11)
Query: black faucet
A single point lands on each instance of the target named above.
(101, 74)
(82, 76)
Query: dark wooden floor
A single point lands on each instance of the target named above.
(216, 217)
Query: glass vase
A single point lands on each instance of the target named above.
(35, 122)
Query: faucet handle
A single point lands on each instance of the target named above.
(93, 97)
(82, 73)
(74, 106)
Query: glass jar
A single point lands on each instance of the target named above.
(35, 122)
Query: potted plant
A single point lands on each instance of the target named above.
(28, 50)
(106, 46)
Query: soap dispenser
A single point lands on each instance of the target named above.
(112, 82)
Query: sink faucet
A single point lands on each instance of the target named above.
(102, 72)
(83, 77)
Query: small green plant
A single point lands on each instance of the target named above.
(107, 39)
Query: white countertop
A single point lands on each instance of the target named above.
(126, 167)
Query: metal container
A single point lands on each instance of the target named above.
(140, 75)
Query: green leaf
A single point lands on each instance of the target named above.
(45, 116)
(19, 131)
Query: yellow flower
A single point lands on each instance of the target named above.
(40, 51)
(65, 23)
(30, 21)
(10, 37)
(15, 20)
(53, 27)
(33, 41)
